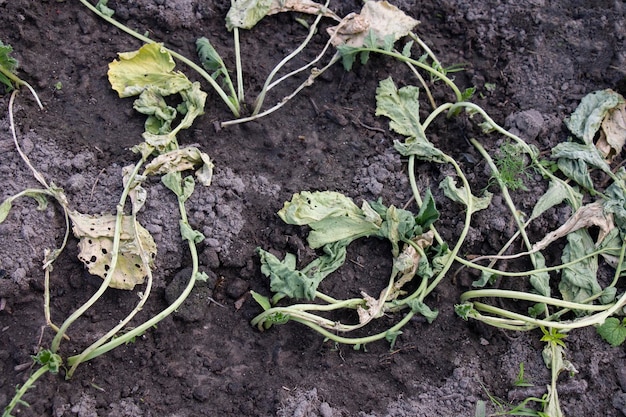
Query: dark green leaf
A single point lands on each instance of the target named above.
(613, 331)
(428, 213)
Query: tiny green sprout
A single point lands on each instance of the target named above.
(490, 87)
(553, 337)
(521, 381)
(58, 85)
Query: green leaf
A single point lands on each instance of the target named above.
(331, 215)
(160, 115)
(8, 64)
(421, 308)
(557, 192)
(172, 180)
(579, 282)
(465, 310)
(581, 152)
(190, 234)
(285, 279)
(406, 50)
(193, 102)
(5, 208)
(540, 280)
(262, 300)
(391, 337)
(613, 331)
(576, 170)
(52, 360)
(422, 150)
(210, 58)
(245, 14)
(616, 199)
(588, 116)
(428, 213)
(150, 67)
(460, 195)
(402, 107)
(104, 9)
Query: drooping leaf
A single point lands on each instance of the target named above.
(424, 151)
(613, 133)
(421, 308)
(581, 152)
(402, 107)
(613, 331)
(245, 14)
(192, 106)
(331, 215)
(182, 160)
(557, 193)
(160, 114)
(188, 233)
(210, 58)
(576, 169)
(592, 214)
(5, 208)
(588, 116)
(460, 195)
(286, 280)
(150, 67)
(96, 234)
(540, 280)
(615, 202)
(137, 193)
(579, 281)
(428, 213)
(386, 22)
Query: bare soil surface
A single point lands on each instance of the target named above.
(206, 359)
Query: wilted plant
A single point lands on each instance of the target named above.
(116, 247)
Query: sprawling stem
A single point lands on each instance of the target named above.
(267, 85)
(75, 360)
(114, 258)
(17, 399)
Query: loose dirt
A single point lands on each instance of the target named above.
(531, 63)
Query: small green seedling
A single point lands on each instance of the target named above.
(521, 380)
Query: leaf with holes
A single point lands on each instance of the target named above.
(96, 234)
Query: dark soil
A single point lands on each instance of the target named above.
(207, 360)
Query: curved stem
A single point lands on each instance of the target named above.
(268, 82)
(114, 257)
(234, 107)
(17, 399)
(73, 360)
(309, 81)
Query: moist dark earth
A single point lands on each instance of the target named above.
(531, 63)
